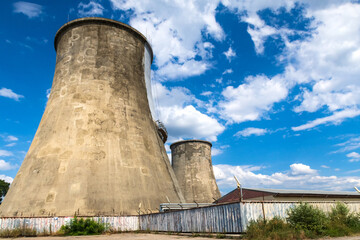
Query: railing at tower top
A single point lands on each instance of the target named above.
(161, 131)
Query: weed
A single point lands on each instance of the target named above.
(220, 235)
(18, 232)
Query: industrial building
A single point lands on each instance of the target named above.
(259, 194)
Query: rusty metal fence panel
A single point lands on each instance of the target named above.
(229, 218)
(220, 218)
(53, 224)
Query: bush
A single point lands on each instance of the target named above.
(342, 222)
(305, 220)
(309, 219)
(275, 228)
(82, 227)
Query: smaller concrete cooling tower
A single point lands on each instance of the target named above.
(191, 161)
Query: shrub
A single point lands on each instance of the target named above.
(309, 219)
(342, 222)
(305, 220)
(82, 227)
(275, 228)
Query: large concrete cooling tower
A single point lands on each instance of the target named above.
(97, 150)
(191, 161)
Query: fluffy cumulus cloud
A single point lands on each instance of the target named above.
(251, 131)
(6, 178)
(252, 99)
(323, 59)
(5, 165)
(91, 9)
(176, 29)
(299, 176)
(31, 10)
(330, 59)
(176, 109)
(8, 93)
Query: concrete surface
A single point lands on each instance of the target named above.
(191, 161)
(96, 150)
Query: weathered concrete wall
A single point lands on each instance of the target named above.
(96, 151)
(191, 161)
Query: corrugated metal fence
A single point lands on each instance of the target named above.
(229, 218)
(53, 224)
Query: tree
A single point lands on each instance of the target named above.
(4, 187)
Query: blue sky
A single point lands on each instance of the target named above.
(274, 85)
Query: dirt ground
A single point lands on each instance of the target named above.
(124, 236)
(142, 236)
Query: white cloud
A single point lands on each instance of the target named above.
(299, 176)
(176, 30)
(31, 10)
(189, 68)
(230, 54)
(336, 118)
(325, 57)
(48, 91)
(187, 122)
(355, 157)
(5, 165)
(11, 138)
(252, 99)
(251, 131)
(330, 59)
(227, 71)
(10, 144)
(176, 109)
(5, 153)
(324, 166)
(349, 145)
(258, 31)
(207, 93)
(5, 92)
(301, 169)
(216, 151)
(6, 178)
(91, 9)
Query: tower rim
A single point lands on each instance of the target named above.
(188, 141)
(107, 21)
